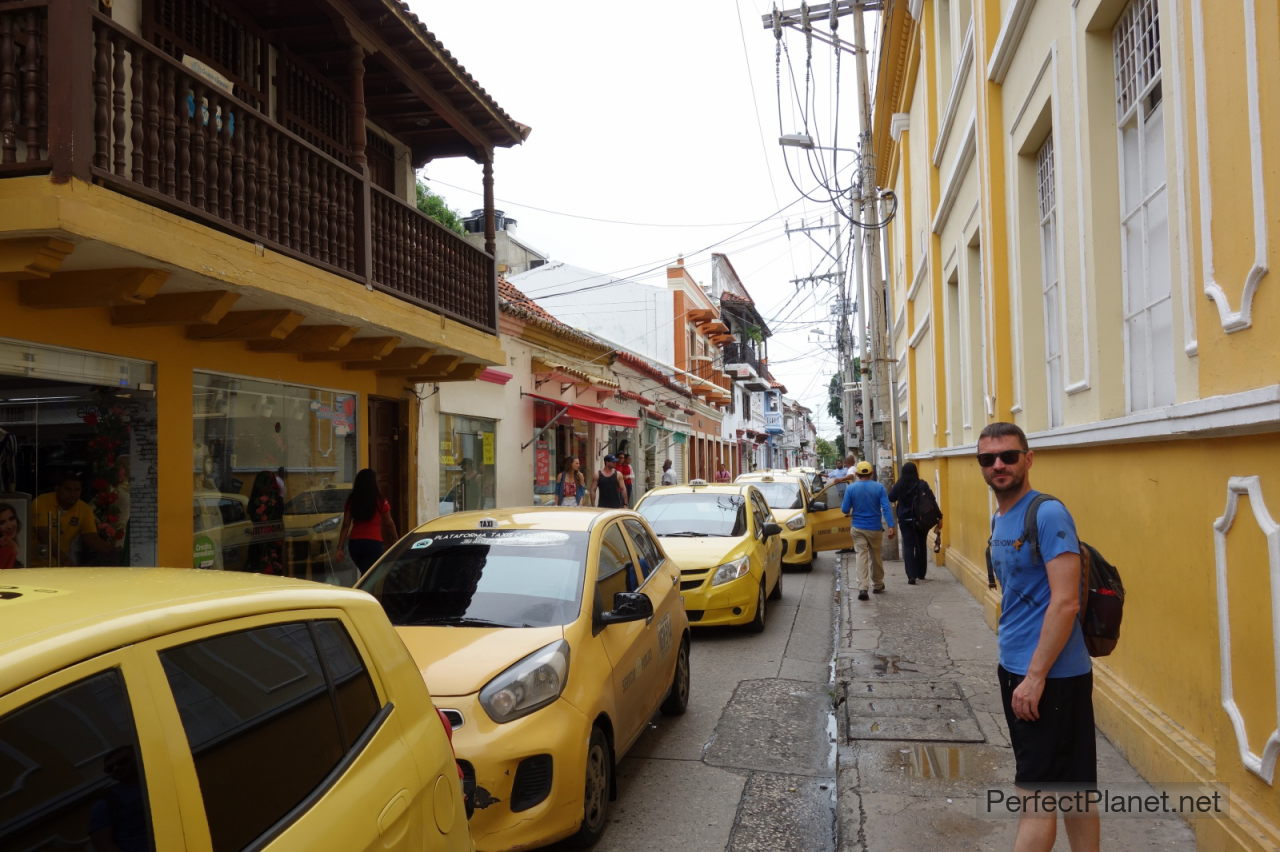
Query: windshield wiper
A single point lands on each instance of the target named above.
(462, 621)
(684, 533)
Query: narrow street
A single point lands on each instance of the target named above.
(750, 766)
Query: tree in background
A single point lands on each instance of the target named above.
(835, 406)
(435, 207)
(828, 455)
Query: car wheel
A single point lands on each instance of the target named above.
(756, 625)
(808, 566)
(599, 782)
(776, 594)
(677, 700)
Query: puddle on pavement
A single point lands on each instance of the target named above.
(891, 664)
(947, 763)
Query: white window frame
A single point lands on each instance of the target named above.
(1050, 282)
(1149, 372)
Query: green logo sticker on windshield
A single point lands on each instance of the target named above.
(421, 543)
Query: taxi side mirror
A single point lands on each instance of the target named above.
(771, 529)
(628, 606)
(817, 506)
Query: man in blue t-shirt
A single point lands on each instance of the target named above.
(1046, 679)
(867, 503)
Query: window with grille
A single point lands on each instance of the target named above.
(1144, 209)
(1050, 285)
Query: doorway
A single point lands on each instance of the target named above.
(387, 454)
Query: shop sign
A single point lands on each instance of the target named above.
(205, 553)
(542, 464)
(486, 452)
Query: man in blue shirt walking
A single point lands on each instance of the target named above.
(1046, 678)
(866, 501)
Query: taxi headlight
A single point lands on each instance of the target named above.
(328, 525)
(528, 685)
(796, 522)
(731, 571)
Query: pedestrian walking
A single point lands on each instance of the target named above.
(915, 538)
(867, 504)
(1046, 677)
(623, 464)
(571, 485)
(367, 525)
(668, 475)
(608, 490)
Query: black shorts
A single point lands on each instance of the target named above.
(1059, 747)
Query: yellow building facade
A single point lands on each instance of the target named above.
(1088, 213)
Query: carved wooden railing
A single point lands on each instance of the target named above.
(118, 111)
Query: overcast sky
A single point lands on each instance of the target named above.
(655, 130)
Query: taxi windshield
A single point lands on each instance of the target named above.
(481, 578)
(781, 495)
(697, 514)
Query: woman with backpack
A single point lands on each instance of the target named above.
(914, 497)
(367, 527)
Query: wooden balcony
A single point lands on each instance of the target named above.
(82, 97)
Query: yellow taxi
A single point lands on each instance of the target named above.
(549, 637)
(807, 524)
(728, 545)
(180, 709)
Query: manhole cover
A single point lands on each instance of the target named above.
(909, 710)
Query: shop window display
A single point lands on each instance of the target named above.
(272, 467)
(467, 463)
(77, 468)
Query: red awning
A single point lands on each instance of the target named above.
(590, 413)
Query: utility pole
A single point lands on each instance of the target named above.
(874, 306)
(872, 338)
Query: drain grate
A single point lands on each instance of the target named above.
(909, 710)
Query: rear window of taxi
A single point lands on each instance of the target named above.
(482, 578)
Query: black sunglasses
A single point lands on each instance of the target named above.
(1006, 456)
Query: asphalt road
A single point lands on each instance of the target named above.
(751, 765)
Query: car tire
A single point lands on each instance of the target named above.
(776, 594)
(808, 566)
(597, 788)
(677, 700)
(756, 625)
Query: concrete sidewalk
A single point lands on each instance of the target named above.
(921, 731)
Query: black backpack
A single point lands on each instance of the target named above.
(1101, 592)
(925, 511)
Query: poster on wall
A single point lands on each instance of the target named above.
(542, 464)
(14, 528)
(486, 448)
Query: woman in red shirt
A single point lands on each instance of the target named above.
(367, 527)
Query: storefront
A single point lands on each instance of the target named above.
(272, 467)
(77, 458)
(468, 465)
(562, 431)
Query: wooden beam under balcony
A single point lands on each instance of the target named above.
(359, 349)
(404, 358)
(32, 257)
(249, 325)
(177, 309)
(464, 373)
(92, 288)
(309, 340)
(437, 369)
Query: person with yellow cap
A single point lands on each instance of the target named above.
(867, 503)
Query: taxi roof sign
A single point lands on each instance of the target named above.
(697, 482)
(488, 523)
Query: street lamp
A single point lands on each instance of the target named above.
(805, 141)
(796, 140)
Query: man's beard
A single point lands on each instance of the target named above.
(1014, 484)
